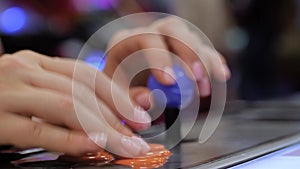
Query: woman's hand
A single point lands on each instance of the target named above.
(34, 86)
(167, 34)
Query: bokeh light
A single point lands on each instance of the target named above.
(12, 20)
(90, 5)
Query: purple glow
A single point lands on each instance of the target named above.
(96, 59)
(123, 122)
(89, 5)
(104, 4)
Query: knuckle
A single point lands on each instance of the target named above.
(33, 131)
(37, 130)
(29, 55)
(5, 55)
(25, 53)
(66, 103)
(10, 62)
(69, 137)
(56, 58)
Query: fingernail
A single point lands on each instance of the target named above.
(226, 71)
(198, 70)
(204, 87)
(130, 145)
(99, 138)
(156, 147)
(141, 116)
(145, 146)
(169, 75)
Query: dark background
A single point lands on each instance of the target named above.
(260, 39)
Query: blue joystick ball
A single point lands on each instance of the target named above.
(176, 97)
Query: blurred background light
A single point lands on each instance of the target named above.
(236, 39)
(12, 20)
(104, 4)
(91, 5)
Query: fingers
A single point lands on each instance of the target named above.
(32, 134)
(98, 127)
(50, 80)
(86, 103)
(155, 47)
(189, 47)
(52, 106)
(169, 34)
(97, 81)
(58, 107)
(157, 57)
(104, 89)
(53, 138)
(51, 98)
(185, 44)
(141, 95)
(218, 67)
(204, 87)
(45, 100)
(128, 146)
